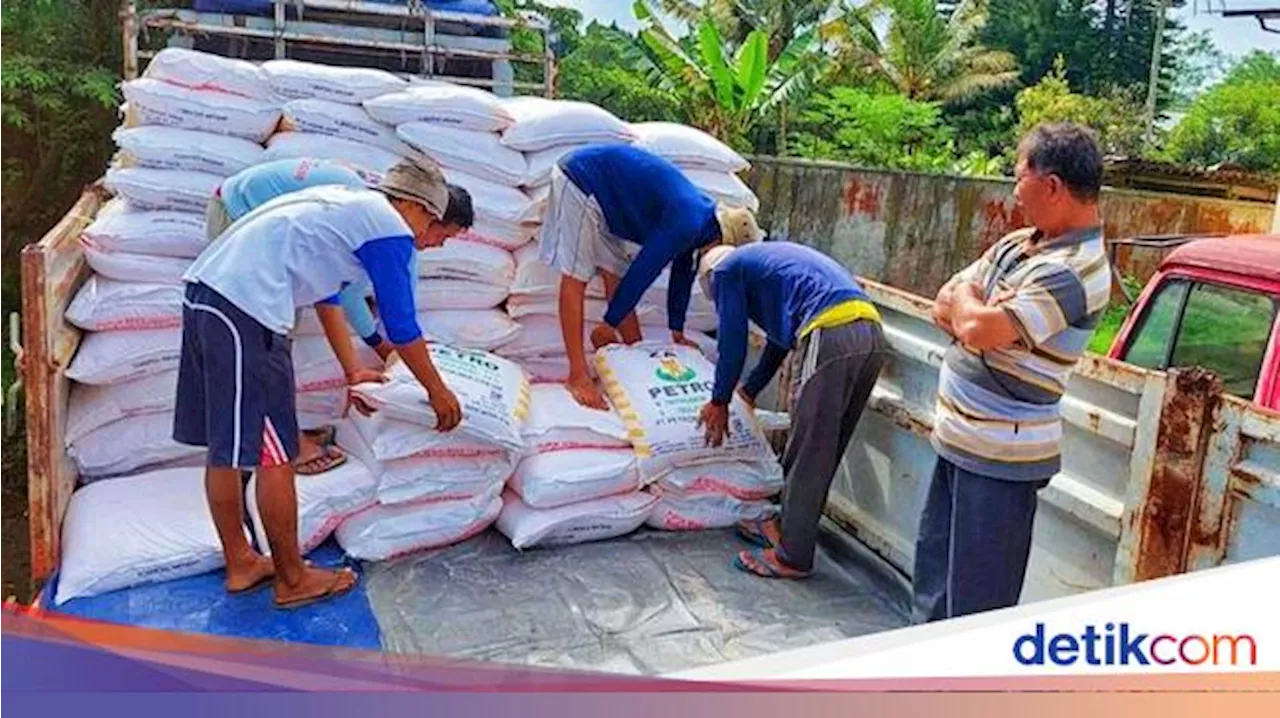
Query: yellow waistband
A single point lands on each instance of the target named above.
(840, 314)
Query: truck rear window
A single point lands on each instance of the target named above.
(1222, 329)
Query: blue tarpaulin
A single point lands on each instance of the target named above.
(200, 605)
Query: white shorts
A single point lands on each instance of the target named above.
(575, 239)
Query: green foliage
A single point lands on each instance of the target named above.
(874, 130)
(1118, 117)
(1236, 121)
(600, 71)
(724, 90)
(58, 98)
(927, 54)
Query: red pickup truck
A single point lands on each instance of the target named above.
(1212, 303)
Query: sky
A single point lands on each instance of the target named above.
(1234, 36)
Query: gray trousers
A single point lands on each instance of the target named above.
(839, 367)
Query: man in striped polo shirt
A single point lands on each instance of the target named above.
(1021, 317)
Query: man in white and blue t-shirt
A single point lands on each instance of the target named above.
(235, 382)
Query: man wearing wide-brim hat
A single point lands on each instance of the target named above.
(235, 380)
(627, 213)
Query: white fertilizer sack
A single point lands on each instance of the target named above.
(493, 392)
(210, 73)
(482, 329)
(557, 422)
(383, 532)
(462, 259)
(152, 102)
(466, 108)
(431, 294)
(595, 520)
(93, 407)
(541, 124)
(299, 145)
(730, 478)
(415, 464)
(349, 122)
(112, 357)
(130, 267)
(659, 391)
(122, 227)
(124, 446)
(294, 80)
(159, 529)
(566, 476)
(695, 512)
(104, 304)
(171, 148)
(178, 190)
(477, 153)
(688, 147)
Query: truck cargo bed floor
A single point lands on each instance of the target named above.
(650, 603)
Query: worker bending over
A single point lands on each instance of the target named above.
(236, 391)
(253, 187)
(627, 213)
(803, 300)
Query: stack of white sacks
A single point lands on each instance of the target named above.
(569, 474)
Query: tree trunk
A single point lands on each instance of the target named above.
(782, 130)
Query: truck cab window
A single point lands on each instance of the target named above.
(1149, 346)
(1225, 330)
(1222, 329)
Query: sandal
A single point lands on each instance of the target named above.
(331, 459)
(322, 435)
(333, 590)
(767, 564)
(765, 532)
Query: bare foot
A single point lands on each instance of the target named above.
(316, 585)
(250, 574)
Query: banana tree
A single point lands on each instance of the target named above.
(728, 93)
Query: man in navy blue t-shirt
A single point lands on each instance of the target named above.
(627, 213)
(803, 301)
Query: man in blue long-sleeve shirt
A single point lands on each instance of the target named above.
(803, 300)
(627, 213)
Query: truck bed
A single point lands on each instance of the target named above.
(649, 603)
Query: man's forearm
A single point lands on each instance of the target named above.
(978, 325)
(417, 357)
(334, 322)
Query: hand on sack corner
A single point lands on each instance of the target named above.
(715, 417)
(448, 411)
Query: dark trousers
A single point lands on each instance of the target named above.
(839, 369)
(973, 543)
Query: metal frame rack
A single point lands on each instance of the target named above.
(409, 39)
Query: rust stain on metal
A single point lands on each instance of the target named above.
(861, 198)
(1167, 517)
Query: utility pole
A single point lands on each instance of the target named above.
(1154, 82)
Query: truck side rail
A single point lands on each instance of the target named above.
(1162, 473)
(52, 270)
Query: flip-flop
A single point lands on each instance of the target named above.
(330, 460)
(760, 531)
(766, 564)
(323, 435)
(331, 591)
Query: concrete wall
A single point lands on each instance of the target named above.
(913, 231)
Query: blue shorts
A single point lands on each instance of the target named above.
(235, 385)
